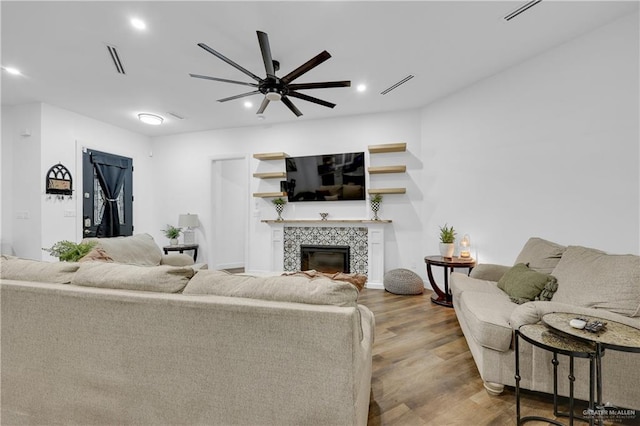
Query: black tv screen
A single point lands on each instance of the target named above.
(327, 177)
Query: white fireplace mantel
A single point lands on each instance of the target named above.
(375, 242)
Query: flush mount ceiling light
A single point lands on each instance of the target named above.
(154, 120)
(361, 87)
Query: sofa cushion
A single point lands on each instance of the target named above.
(523, 284)
(487, 316)
(161, 279)
(540, 255)
(461, 283)
(592, 278)
(489, 271)
(316, 291)
(177, 259)
(139, 249)
(14, 268)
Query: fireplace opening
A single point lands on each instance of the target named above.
(328, 259)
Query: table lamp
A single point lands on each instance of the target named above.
(188, 221)
(465, 247)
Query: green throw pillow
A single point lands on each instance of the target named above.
(523, 284)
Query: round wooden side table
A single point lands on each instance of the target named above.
(440, 297)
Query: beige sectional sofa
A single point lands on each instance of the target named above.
(160, 345)
(589, 282)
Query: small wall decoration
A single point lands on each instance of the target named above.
(59, 181)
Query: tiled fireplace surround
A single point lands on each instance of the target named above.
(364, 238)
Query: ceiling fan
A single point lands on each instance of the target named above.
(276, 88)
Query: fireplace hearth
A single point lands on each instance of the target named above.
(324, 258)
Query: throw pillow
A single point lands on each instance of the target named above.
(541, 255)
(523, 284)
(296, 289)
(595, 279)
(161, 279)
(96, 254)
(14, 268)
(139, 249)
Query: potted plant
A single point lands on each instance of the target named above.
(279, 203)
(375, 205)
(68, 251)
(172, 233)
(447, 240)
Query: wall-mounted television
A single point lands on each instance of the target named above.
(326, 177)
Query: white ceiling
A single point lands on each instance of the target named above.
(60, 47)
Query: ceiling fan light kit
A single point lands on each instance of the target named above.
(276, 88)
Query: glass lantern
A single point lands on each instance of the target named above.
(465, 247)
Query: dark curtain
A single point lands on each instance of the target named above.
(110, 173)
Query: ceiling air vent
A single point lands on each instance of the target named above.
(174, 115)
(521, 9)
(115, 58)
(395, 86)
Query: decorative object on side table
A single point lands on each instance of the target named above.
(465, 247)
(279, 203)
(376, 200)
(172, 233)
(324, 216)
(447, 241)
(68, 251)
(188, 221)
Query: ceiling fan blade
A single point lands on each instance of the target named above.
(230, 98)
(229, 61)
(263, 39)
(291, 106)
(323, 85)
(311, 99)
(263, 105)
(224, 80)
(307, 66)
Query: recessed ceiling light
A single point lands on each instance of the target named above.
(12, 70)
(138, 24)
(248, 104)
(154, 120)
(361, 87)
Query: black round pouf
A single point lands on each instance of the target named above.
(403, 281)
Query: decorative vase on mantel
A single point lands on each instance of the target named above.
(279, 205)
(279, 210)
(376, 200)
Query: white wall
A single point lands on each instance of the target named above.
(57, 136)
(548, 148)
(21, 181)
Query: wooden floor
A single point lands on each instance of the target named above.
(423, 372)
